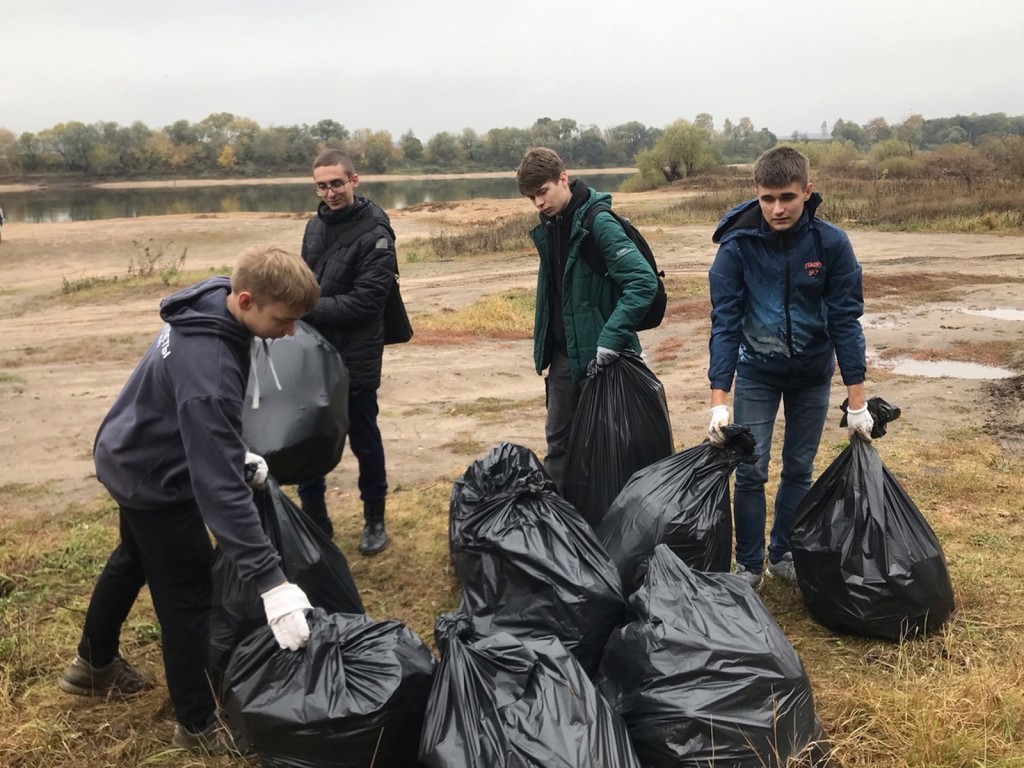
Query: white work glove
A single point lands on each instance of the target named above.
(286, 607)
(859, 422)
(719, 418)
(256, 470)
(605, 356)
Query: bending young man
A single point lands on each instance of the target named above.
(170, 452)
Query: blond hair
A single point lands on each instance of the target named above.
(273, 274)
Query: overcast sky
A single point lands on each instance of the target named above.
(443, 66)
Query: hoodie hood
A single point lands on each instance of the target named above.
(746, 219)
(202, 308)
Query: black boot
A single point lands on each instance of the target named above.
(315, 508)
(375, 538)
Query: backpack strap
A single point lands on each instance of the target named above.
(591, 252)
(343, 238)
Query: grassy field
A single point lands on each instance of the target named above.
(953, 699)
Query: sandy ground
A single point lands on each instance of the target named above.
(63, 360)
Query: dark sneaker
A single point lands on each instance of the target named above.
(784, 569)
(375, 537)
(118, 679)
(752, 578)
(213, 740)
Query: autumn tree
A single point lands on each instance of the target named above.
(960, 161)
(412, 148)
(330, 132)
(443, 148)
(682, 150)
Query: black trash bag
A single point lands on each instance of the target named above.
(505, 702)
(355, 696)
(866, 560)
(705, 677)
(621, 425)
(682, 501)
(309, 558)
(296, 405)
(527, 562)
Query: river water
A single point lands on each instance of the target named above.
(85, 204)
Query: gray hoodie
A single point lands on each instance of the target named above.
(174, 434)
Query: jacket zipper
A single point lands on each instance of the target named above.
(789, 318)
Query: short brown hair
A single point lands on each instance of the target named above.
(334, 157)
(538, 166)
(273, 274)
(780, 167)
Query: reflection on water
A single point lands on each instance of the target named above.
(997, 314)
(948, 369)
(64, 204)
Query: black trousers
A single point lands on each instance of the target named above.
(171, 551)
(367, 446)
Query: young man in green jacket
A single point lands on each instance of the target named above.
(581, 315)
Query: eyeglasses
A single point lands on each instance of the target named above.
(321, 188)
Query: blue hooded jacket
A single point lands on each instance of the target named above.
(785, 305)
(174, 433)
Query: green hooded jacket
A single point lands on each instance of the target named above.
(595, 313)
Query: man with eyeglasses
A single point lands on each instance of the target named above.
(350, 247)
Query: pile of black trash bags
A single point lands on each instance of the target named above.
(611, 635)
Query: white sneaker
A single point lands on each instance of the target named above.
(785, 569)
(752, 578)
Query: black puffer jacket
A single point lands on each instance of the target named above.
(352, 253)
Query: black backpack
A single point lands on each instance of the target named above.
(592, 256)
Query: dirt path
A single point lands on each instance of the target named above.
(63, 361)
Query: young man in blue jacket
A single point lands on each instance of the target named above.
(580, 315)
(170, 453)
(786, 301)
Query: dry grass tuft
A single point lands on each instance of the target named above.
(507, 316)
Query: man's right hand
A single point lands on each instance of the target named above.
(256, 470)
(719, 419)
(286, 607)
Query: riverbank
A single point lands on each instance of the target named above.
(15, 188)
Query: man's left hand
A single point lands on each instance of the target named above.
(606, 356)
(859, 422)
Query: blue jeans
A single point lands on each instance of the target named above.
(755, 406)
(368, 447)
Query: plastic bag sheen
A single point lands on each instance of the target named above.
(527, 562)
(621, 425)
(296, 405)
(355, 696)
(308, 558)
(705, 677)
(866, 560)
(505, 702)
(682, 501)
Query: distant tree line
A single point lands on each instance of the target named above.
(226, 145)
